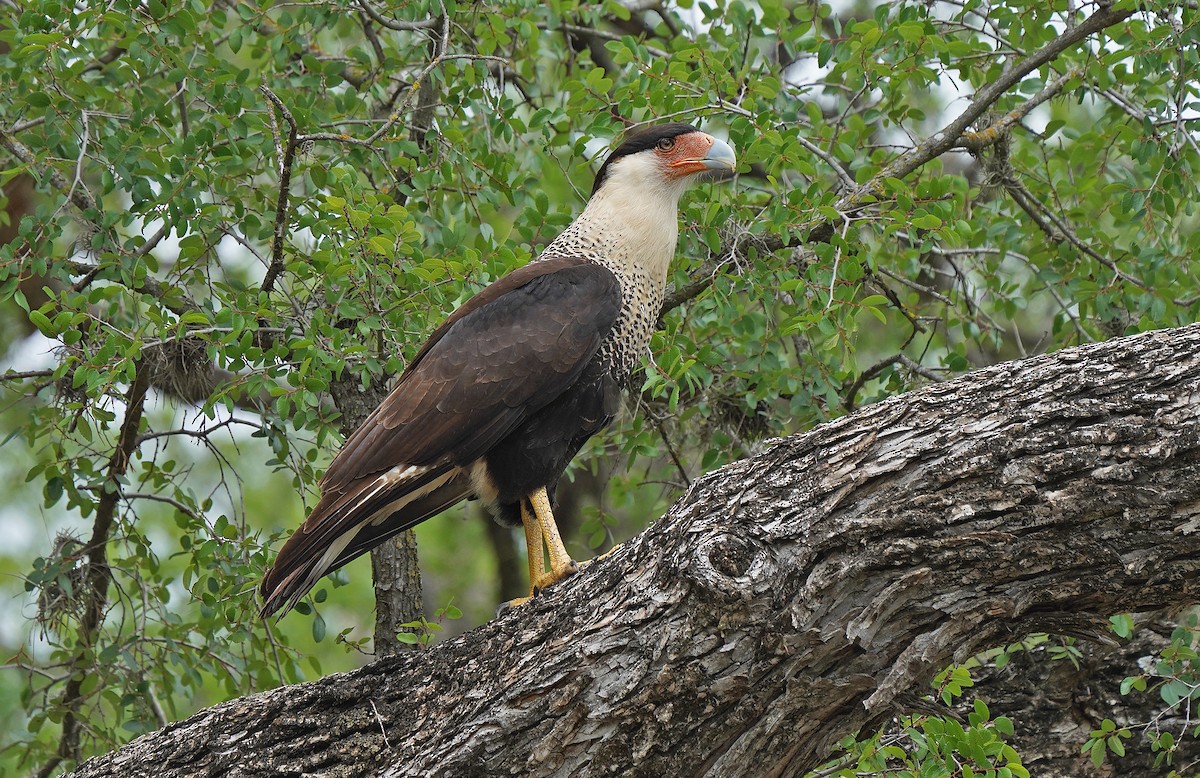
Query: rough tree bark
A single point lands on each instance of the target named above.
(787, 600)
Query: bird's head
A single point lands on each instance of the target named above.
(665, 158)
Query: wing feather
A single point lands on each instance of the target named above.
(520, 344)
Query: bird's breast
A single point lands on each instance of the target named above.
(629, 339)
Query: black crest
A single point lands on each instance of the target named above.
(640, 140)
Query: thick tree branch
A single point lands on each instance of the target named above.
(787, 600)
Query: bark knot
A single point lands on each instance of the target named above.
(729, 565)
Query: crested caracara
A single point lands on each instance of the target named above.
(509, 387)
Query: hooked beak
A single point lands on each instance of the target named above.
(720, 157)
(705, 154)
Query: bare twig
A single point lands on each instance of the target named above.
(666, 439)
(922, 288)
(877, 368)
(14, 376)
(392, 24)
(842, 174)
(1057, 229)
(285, 183)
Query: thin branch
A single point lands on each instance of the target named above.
(392, 24)
(1057, 229)
(977, 141)
(98, 573)
(27, 125)
(921, 288)
(107, 58)
(14, 376)
(704, 276)
(634, 6)
(842, 174)
(80, 197)
(666, 439)
(179, 506)
(281, 203)
(877, 368)
(151, 242)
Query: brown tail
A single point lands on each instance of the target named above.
(341, 529)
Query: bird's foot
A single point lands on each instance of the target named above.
(598, 557)
(545, 581)
(554, 575)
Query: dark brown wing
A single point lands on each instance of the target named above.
(506, 353)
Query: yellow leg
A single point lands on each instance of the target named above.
(561, 564)
(538, 520)
(533, 544)
(533, 552)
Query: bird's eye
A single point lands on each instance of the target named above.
(666, 144)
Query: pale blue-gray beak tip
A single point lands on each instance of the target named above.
(720, 157)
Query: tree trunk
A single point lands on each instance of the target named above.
(397, 580)
(788, 600)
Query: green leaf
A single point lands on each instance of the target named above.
(381, 245)
(39, 320)
(926, 221)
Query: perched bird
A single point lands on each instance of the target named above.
(507, 390)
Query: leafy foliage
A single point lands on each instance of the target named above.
(1173, 676)
(938, 747)
(431, 146)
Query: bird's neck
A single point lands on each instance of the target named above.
(631, 233)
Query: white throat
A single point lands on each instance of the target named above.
(631, 224)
